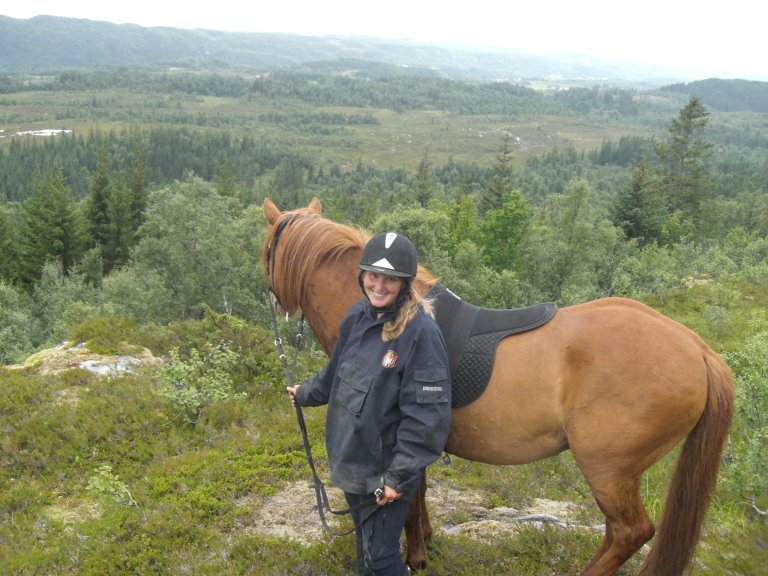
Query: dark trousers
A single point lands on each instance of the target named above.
(378, 537)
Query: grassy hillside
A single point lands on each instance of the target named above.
(113, 476)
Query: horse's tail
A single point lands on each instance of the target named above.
(694, 478)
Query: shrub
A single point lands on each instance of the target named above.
(199, 380)
(107, 334)
(106, 484)
(748, 467)
(18, 328)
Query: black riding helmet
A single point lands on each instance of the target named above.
(391, 254)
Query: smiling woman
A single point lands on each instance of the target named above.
(387, 388)
(387, 264)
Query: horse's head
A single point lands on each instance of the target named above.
(278, 221)
(302, 249)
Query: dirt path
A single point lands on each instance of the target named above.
(292, 513)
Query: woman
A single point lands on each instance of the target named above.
(387, 387)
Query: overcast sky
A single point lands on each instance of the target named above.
(705, 39)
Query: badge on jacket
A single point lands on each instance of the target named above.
(390, 359)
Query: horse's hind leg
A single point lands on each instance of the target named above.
(426, 525)
(627, 525)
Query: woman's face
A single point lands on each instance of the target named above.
(382, 290)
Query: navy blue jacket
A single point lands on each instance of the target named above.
(389, 403)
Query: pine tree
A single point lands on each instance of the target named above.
(424, 183)
(138, 184)
(52, 229)
(7, 248)
(501, 182)
(121, 235)
(685, 155)
(639, 208)
(97, 203)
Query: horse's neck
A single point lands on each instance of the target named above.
(331, 292)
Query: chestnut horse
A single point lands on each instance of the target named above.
(612, 380)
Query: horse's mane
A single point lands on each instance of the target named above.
(306, 242)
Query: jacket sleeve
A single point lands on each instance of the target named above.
(425, 409)
(316, 390)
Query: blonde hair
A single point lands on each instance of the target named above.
(393, 328)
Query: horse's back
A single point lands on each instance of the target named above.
(611, 372)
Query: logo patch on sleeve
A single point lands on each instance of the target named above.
(390, 359)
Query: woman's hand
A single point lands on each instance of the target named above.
(292, 393)
(388, 496)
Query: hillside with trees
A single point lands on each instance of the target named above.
(727, 95)
(139, 225)
(43, 44)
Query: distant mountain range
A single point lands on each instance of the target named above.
(43, 44)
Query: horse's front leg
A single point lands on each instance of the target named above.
(417, 529)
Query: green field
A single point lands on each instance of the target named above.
(397, 139)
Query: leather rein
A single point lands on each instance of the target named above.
(273, 301)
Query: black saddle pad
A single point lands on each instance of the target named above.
(472, 334)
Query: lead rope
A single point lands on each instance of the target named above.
(320, 493)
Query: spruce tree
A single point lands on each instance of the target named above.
(639, 209)
(424, 183)
(137, 183)
(685, 156)
(500, 183)
(97, 203)
(225, 180)
(121, 234)
(7, 248)
(52, 230)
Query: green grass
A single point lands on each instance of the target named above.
(198, 488)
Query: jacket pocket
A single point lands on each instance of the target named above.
(354, 384)
(431, 385)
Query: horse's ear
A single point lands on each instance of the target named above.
(271, 213)
(315, 207)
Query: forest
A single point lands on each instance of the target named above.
(142, 225)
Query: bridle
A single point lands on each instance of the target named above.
(269, 253)
(273, 301)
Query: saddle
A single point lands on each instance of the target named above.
(472, 334)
